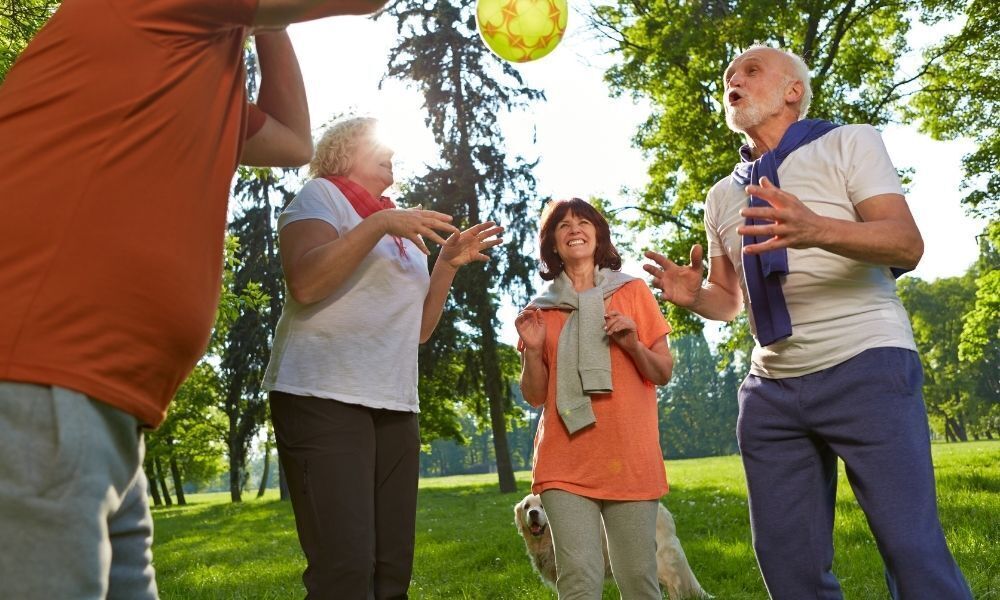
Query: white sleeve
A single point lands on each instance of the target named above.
(715, 245)
(316, 200)
(870, 171)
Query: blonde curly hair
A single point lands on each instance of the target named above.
(335, 148)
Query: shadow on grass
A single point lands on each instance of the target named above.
(230, 551)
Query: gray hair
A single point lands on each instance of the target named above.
(799, 72)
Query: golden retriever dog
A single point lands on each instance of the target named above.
(672, 567)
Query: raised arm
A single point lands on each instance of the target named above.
(459, 249)
(718, 298)
(276, 13)
(285, 140)
(887, 234)
(530, 324)
(317, 260)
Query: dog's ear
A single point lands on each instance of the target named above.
(519, 517)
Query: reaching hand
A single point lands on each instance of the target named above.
(530, 326)
(467, 246)
(678, 285)
(792, 224)
(412, 223)
(621, 329)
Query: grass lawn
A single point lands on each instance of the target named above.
(467, 546)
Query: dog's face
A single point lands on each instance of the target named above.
(530, 517)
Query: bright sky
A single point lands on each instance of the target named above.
(583, 135)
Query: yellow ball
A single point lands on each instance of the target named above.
(521, 30)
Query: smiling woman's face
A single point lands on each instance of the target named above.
(575, 238)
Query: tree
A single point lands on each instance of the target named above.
(936, 311)
(189, 440)
(465, 89)
(246, 347)
(959, 99)
(979, 343)
(673, 54)
(698, 407)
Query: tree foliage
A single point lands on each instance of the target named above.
(698, 407)
(960, 97)
(673, 54)
(246, 347)
(465, 89)
(961, 395)
(979, 345)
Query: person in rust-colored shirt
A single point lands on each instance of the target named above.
(121, 123)
(593, 349)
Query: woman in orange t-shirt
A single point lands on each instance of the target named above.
(597, 450)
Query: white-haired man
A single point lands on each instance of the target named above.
(835, 371)
(122, 124)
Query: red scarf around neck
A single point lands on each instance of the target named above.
(364, 203)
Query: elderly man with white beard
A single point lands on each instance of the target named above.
(834, 372)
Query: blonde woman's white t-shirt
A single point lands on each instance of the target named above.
(359, 345)
(839, 307)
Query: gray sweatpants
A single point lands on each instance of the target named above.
(74, 519)
(576, 524)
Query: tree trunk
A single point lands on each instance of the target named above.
(235, 450)
(151, 480)
(267, 467)
(493, 379)
(160, 479)
(954, 431)
(175, 473)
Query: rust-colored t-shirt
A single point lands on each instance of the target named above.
(120, 130)
(619, 457)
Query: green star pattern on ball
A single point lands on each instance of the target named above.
(521, 30)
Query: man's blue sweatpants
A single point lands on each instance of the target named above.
(869, 411)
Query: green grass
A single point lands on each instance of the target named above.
(467, 546)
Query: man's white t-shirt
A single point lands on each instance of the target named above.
(359, 345)
(839, 307)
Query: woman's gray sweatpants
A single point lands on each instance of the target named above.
(576, 525)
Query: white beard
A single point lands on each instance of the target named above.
(752, 113)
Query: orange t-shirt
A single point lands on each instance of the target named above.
(120, 130)
(619, 457)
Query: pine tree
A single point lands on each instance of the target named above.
(465, 89)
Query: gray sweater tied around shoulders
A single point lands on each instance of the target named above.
(584, 351)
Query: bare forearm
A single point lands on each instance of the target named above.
(437, 294)
(717, 302)
(885, 242)
(534, 377)
(655, 363)
(322, 270)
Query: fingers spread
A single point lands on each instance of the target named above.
(419, 243)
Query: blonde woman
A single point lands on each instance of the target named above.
(343, 370)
